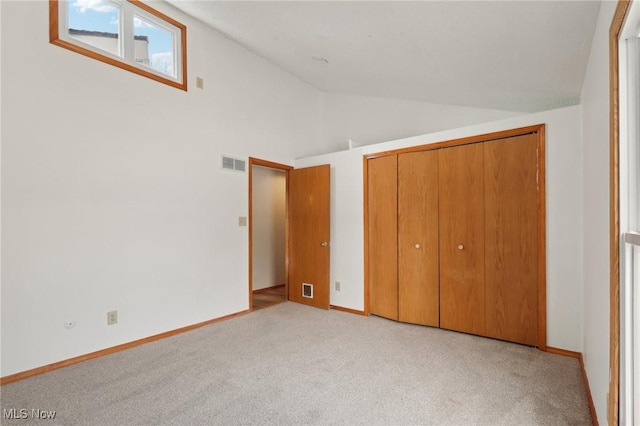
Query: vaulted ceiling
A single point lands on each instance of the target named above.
(511, 55)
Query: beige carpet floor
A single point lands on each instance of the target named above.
(294, 365)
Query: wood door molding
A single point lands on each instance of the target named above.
(277, 166)
(365, 209)
(486, 137)
(542, 240)
(539, 130)
(614, 208)
(270, 164)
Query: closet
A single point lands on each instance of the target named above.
(455, 236)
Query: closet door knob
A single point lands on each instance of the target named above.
(324, 244)
(417, 245)
(460, 247)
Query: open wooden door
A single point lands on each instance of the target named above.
(309, 236)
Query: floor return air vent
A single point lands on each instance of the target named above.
(307, 290)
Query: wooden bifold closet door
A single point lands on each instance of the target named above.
(511, 238)
(455, 237)
(383, 236)
(462, 300)
(418, 289)
(403, 237)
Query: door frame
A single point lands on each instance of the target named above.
(275, 166)
(539, 130)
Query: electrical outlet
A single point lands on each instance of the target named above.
(338, 286)
(112, 317)
(69, 324)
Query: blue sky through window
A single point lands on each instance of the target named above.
(103, 16)
(160, 44)
(93, 16)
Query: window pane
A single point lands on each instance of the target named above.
(95, 22)
(633, 111)
(154, 46)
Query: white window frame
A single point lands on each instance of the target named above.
(128, 9)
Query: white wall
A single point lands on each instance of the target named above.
(564, 216)
(112, 193)
(113, 197)
(368, 120)
(1, 210)
(595, 104)
(269, 223)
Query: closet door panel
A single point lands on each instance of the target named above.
(383, 236)
(418, 260)
(461, 208)
(511, 229)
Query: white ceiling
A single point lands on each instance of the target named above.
(511, 55)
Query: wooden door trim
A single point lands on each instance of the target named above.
(276, 166)
(486, 137)
(539, 130)
(365, 197)
(542, 240)
(614, 209)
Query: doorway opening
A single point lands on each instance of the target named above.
(268, 187)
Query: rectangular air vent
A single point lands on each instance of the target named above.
(307, 290)
(233, 164)
(239, 165)
(227, 163)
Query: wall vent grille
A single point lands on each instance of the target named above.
(233, 164)
(307, 290)
(239, 165)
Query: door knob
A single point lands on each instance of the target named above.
(324, 244)
(460, 247)
(417, 245)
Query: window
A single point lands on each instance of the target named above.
(125, 33)
(629, 211)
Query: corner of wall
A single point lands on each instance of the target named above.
(595, 212)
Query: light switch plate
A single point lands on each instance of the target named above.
(242, 221)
